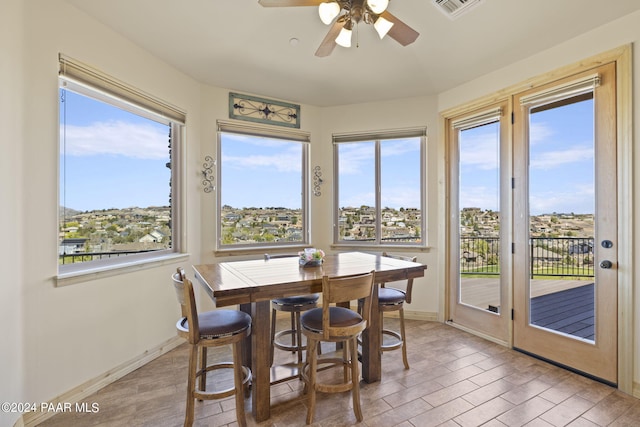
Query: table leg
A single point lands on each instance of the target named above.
(246, 345)
(371, 354)
(260, 355)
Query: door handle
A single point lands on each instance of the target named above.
(606, 264)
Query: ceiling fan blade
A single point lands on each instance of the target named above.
(400, 32)
(329, 42)
(285, 3)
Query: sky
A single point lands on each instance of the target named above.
(260, 172)
(112, 158)
(561, 162)
(115, 159)
(400, 174)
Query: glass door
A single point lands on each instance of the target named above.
(565, 286)
(479, 265)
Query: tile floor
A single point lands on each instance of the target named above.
(455, 379)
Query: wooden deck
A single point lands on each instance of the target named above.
(481, 292)
(570, 311)
(561, 305)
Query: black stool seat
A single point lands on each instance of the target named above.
(390, 296)
(218, 323)
(298, 300)
(339, 317)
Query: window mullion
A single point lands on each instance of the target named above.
(378, 163)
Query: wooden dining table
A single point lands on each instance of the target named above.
(252, 284)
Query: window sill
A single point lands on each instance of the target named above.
(101, 272)
(376, 247)
(261, 251)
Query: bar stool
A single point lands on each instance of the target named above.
(393, 299)
(211, 329)
(293, 305)
(340, 325)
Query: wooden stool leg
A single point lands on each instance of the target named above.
(355, 378)
(239, 392)
(311, 386)
(404, 340)
(203, 368)
(273, 336)
(191, 385)
(299, 338)
(345, 362)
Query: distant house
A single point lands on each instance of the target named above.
(469, 256)
(580, 248)
(232, 217)
(543, 255)
(72, 246)
(154, 237)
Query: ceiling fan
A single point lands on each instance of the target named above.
(345, 14)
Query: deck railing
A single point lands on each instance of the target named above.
(91, 256)
(548, 256)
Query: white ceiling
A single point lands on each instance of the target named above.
(242, 46)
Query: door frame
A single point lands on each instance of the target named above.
(493, 326)
(622, 56)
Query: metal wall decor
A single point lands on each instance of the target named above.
(207, 174)
(317, 181)
(261, 110)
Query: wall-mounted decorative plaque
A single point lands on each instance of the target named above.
(261, 110)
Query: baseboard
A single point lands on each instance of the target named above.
(81, 392)
(636, 389)
(414, 315)
(479, 334)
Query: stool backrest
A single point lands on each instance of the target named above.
(187, 300)
(340, 289)
(408, 286)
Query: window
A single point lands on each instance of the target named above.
(379, 188)
(118, 169)
(262, 186)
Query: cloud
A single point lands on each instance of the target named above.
(540, 132)
(480, 150)
(281, 156)
(479, 197)
(116, 138)
(401, 197)
(284, 161)
(553, 159)
(354, 158)
(578, 199)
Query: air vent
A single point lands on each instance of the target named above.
(455, 8)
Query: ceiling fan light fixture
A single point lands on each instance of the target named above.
(344, 38)
(382, 26)
(378, 6)
(328, 11)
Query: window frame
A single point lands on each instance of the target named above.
(377, 137)
(263, 131)
(94, 84)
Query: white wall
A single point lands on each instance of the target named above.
(11, 113)
(76, 333)
(613, 35)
